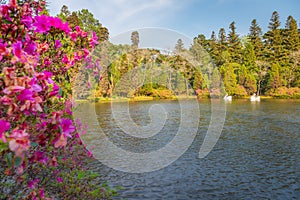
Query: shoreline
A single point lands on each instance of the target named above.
(148, 98)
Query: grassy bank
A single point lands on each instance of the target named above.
(149, 98)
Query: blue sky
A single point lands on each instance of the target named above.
(189, 17)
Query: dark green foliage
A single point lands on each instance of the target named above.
(255, 37)
(257, 63)
(234, 44)
(274, 81)
(291, 40)
(86, 20)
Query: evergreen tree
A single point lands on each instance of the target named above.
(222, 40)
(103, 34)
(222, 47)
(234, 44)
(274, 21)
(294, 73)
(229, 78)
(274, 81)
(135, 39)
(74, 20)
(89, 23)
(198, 80)
(216, 79)
(64, 13)
(213, 48)
(249, 70)
(179, 47)
(249, 57)
(214, 84)
(255, 37)
(291, 40)
(262, 72)
(273, 40)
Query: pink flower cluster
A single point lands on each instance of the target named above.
(44, 23)
(35, 107)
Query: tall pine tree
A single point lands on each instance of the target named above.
(255, 37)
(234, 44)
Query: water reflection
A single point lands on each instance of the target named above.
(257, 156)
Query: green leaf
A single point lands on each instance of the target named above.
(34, 144)
(93, 175)
(95, 192)
(60, 92)
(9, 159)
(80, 175)
(105, 184)
(18, 161)
(3, 146)
(46, 109)
(6, 21)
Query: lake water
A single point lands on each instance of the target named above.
(256, 157)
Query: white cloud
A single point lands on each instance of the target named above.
(122, 15)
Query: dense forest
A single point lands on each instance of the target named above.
(263, 63)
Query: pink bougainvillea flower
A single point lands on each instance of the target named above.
(89, 64)
(4, 126)
(70, 63)
(27, 21)
(65, 59)
(57, 44)
(65, 27)
(77, 56)
(31, 48)
(3, 49)
(80, 33)
(36, 88)
(86, 53)
(4, 12)
(47, 62)
(84, 34)
(26, 9)
(77, 28)
(42, 48)
(97, 64)
(34, 85)
(13, 89)
(40, 157)
(73, 36)
(59, 179)
(56, 116)
(67, 127)
(12, 109)
(55, 91)
(41, 193)
(19, 142)
(33, 183)
(5, 100)
(25, 95)
(42, 24)
(9, 75)
(90, 154)
(45, 75)
(94, 40)
(55, 22)
(17, 49)
(53, 161)
(13, 3)
(68, 107)
(61, 141)
(32, 106)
